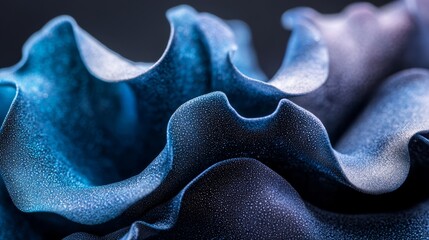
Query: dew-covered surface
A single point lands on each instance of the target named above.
(200, 144)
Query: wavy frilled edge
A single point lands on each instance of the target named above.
(62, 54)
(306, 50)
(221, 198)
(366, 45)
(57, 173)
(207, 130)
(243, 198)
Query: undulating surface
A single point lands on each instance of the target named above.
(202, 145)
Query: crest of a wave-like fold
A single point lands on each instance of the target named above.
(365, 46)
(242, 199)
(79, 109)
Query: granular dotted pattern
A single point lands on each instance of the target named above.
(202, 145)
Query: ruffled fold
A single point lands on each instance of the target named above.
(242, 199)
(85, 126)
(200, 144)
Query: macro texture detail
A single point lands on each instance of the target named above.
(201, 144)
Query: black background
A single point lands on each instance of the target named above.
(139, 31)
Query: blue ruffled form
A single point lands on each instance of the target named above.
(201, 145)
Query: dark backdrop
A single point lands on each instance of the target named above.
(138, 29)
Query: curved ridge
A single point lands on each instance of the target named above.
(207, 130)
(384, 33)
(280, 200)
(8, 93)
(61, 69)
(244, 90)
(242, 199)
(66, 129)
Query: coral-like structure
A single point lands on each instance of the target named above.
(202, 145)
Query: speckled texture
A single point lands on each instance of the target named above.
(202, 145)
